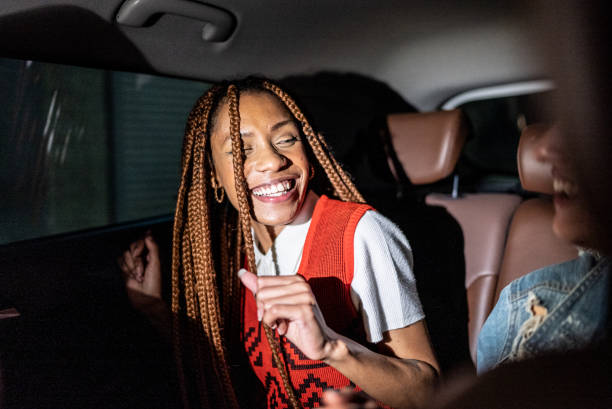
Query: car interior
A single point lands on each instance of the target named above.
(434, 108)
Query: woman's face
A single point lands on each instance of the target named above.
(276, 167)
(573, 220)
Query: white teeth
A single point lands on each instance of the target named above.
(274, 190)
(564, 186)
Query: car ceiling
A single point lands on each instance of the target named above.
(426, 50)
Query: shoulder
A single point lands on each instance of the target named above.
(562, 276)
(375, 229)
(333, 205)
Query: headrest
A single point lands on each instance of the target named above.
(427, 144)
(535, 175)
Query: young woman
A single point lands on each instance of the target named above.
(262, 200)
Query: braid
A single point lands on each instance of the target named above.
(245, 222)
(192, 268)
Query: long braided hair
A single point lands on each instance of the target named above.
(211, 241)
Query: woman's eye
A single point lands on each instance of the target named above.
(247, 150)
(287, 141)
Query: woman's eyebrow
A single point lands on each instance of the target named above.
(274, 127)
(281, 124)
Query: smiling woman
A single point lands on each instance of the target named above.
(327, 275)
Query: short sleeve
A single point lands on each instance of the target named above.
(383, 287)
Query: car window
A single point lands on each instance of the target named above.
(497, 124)
(83, 148)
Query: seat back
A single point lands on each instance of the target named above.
(484, 219)
(428, 147)
(424, 148)
(531, 243)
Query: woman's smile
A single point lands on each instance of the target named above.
(275, 191)
(564, 190)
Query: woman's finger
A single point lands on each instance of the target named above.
(276, 291)
(274, 314)
(123, 267)
(153, 263)
(137, 247)
(305, 297)
(248, 279)
(134, 265)
(265, 281)
(282, 326)
(128, 261)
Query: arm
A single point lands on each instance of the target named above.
(401, 377)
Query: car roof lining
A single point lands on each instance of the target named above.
(427, 51)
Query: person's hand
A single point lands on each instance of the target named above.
(287, 304)
(141, 268)
(347, 398)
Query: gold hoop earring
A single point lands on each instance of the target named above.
(218, 191)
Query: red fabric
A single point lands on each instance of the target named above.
(327, 265)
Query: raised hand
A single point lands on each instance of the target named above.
(141, 267)
(288, 305)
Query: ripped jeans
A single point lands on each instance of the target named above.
(555, 308)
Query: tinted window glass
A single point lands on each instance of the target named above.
(82, 148)
(497, 124)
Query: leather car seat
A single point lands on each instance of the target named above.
(428, 146)
(423, 148)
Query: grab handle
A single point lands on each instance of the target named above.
(219, 25)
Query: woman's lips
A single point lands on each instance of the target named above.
(564, 191)
(276, 191)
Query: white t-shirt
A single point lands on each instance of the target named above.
(383, 289)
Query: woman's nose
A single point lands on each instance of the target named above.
(269, 159)
(549, 147)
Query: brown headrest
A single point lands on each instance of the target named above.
(535, 175)
(427, 144)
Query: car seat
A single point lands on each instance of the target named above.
(423, 149)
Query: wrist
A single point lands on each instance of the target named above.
(336, 352)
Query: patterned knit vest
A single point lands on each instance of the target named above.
(327, 265)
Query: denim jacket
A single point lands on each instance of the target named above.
(555, 308)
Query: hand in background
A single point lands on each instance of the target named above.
(141, 267)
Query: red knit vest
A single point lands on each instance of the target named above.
(327, 265)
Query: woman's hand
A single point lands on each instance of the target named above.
(141, 268)
(288, 305)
